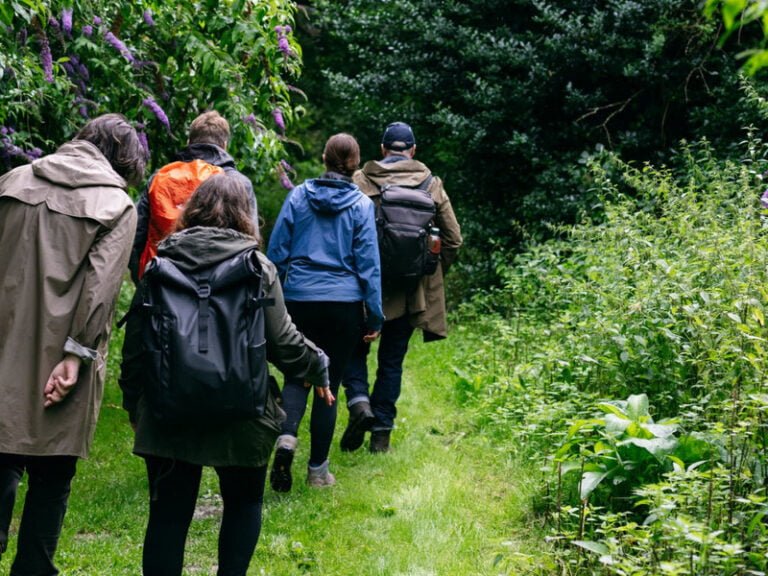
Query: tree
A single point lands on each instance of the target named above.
(507, 96)
(158, 63)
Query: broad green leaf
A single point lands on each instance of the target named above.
(659, 447)
(590, 481)
(596, 547)
(637, 406)
(612, 409)
(661, 430)
(616, 426)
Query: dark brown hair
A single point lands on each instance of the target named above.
(221, 201)
(118, 141)
(342, 154)
(209, 128)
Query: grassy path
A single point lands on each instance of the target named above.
(442, 503)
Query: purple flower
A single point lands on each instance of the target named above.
(45, 58)
(66, 21)
(118, 45)
(158, 112)
(97, 21)
(285, 181)
(148, 18)
(250, 119)
(83, 111)
(143, 141)
(34, 153)
(278, 116)
(87, 30)
(3, 130)
(53, 23)
(23, 36)
(286, 166)
(284, 46)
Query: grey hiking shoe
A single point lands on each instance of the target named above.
(320, 476)
(280, 478)
(361, 419)
(379, 441)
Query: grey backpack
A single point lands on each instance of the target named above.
(403, 219)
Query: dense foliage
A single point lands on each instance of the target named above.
(631, 357)
(508, 97)
(158, 63)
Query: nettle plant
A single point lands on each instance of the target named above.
(624, 448)
(158, 63)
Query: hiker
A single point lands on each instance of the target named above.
(325, 249)
(171, 186)
(215, 227)
(406, 307)
(66, 226)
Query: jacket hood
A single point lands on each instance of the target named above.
(201, 246)
(77, 164)
(207, 152)
(407, 172)
(330, 196)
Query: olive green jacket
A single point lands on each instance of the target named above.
(426, 305)
(236, 443)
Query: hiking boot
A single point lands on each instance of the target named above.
(320, 476)
(379, 441)
(360, 421)
(280, 478)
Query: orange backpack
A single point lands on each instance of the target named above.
(171, 188)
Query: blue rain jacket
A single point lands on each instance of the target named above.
(325, 247)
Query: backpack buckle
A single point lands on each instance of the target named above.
(204, 290)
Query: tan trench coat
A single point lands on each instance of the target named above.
(66, 226)
(426, 305)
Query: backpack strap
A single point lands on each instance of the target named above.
(203, 293)
(426, 183)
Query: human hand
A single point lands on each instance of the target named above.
(61, 381)
(371, 335)
(326, 394)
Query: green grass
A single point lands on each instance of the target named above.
(443, 502)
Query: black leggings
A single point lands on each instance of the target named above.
(336, 327)
(173, 487)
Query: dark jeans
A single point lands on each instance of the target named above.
(45, 505)
(173, 487)
(336, 327)
(393, 345)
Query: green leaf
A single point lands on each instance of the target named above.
(595, 547)
(659, 447)
(637, 406)
(590, 481)
(612, 409)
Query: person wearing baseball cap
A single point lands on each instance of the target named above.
(405, 309)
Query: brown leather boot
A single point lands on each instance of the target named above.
(379, 441)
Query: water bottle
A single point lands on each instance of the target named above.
(434, 240)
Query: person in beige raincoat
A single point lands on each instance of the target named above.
(405, 311)
(66, 227)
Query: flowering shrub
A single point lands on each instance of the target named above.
(160, 64)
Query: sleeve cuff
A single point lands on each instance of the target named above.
(87, 355)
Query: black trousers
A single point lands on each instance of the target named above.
(49, 479)
(336, 327)
(173, 487)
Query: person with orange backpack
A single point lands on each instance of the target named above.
(169, 189)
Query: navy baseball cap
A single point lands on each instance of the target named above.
(398, 136)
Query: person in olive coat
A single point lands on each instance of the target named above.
(216, 225)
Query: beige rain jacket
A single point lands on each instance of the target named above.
(66, 226)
